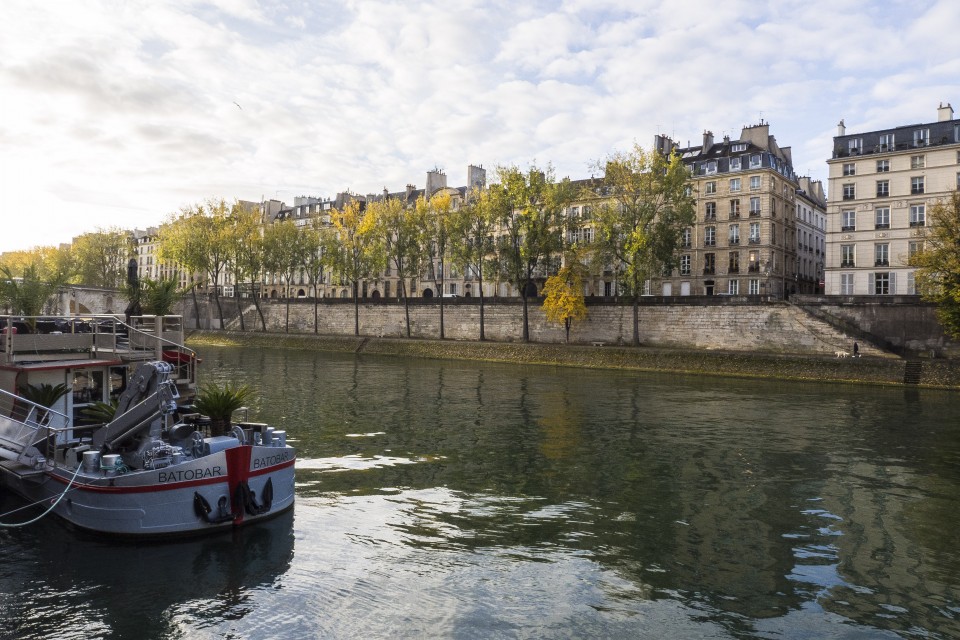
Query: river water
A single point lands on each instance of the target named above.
(472, 500)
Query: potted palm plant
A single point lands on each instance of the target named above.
(218, 403)
(44, 395)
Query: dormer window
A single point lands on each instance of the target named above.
(738, 147)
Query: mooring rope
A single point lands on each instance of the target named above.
(49, 509)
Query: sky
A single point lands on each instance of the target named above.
(117, 113)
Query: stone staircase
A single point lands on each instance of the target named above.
(832, 339)
(913, 372)
(839, 340)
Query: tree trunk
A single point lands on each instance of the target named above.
(316, 315)
(442, 328)
(566, 325)
(256, 303)
(216, 298)
(480, 284)
(356, 308)
(243, 326)
(526, 324)
(196, 305)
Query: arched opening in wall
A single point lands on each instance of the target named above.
(273, 294)
(531, 290)
(466, 291)
(344, 294)
(375, 295)
(428, 293)
(301, 293)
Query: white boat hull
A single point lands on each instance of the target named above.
(238, 486)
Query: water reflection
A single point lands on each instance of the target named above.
(477, 500)
(753, 504)
(77, 585)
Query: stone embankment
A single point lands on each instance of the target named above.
(812, 367)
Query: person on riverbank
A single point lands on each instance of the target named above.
(856, 350)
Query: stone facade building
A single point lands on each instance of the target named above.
(882, 185)
(744, 239)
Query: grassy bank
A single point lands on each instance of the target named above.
(939, 374)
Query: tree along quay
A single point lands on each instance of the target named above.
(821, 368)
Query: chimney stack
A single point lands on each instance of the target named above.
(944, 113)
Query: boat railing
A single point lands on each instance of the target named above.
(150, 338)
(46, 338)
(24, 425)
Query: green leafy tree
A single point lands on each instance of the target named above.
(438, 226)
(284, 255)
(472, 228)
(356, 253)
(640, 225)
(198, 240)
(314, 260)
(57, 264)
(102, 257)
(563, 296)
(401, 233)
(247, 252)
(938, 264)
(528, 207)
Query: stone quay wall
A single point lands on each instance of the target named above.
(702, 324)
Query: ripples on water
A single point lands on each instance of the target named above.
(442, 499)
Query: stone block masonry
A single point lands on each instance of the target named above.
(704, 325)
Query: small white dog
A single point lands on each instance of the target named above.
(842, 354)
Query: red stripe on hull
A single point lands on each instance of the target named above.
(175, 485)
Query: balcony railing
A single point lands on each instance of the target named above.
(709, 243)
(849, 227)
(916, 223)
(882, 225)
(754, 240)
(847, 263)
(754, 213)
(734, 241)
(881, 263)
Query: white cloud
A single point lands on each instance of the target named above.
(120, 114)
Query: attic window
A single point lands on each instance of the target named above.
(739, 147)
